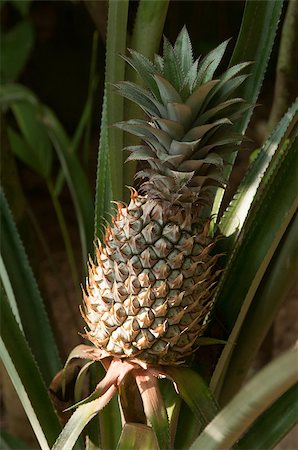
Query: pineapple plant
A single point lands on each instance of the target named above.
(151, 288)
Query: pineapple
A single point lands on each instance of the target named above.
(150, 291)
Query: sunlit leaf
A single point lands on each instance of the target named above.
(80, 419)
(25, 295)
(273, 424)
(25, 376)
(271, 212)
(135, 436)
(253, 399)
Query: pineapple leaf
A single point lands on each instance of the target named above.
(168, 93)
(274, 424)
(174, 129)
(210, 63)
(13, 92)
(195, 392)
(211, 113)
(141, 97)
(183, 51)
(17, 277)
(267, 302)
(233, 219)
(229, 87)
(104, 194)
(26, 378)
(144, 68)
(255, 398)
(80, 418)
(149, 21)
(270, 214)
(189, 81)
(145, 131)
(135, 436)
(171, 67)
(234, 70)
(76, 179)
(140, 152)
(197, 98)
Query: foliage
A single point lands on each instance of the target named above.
(260, 237)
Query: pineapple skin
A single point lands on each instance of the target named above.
(151, 289)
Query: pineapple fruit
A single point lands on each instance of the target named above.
(150, 291)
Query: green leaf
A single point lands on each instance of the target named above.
(183, 50)
(262, 312)
(115, 69)
(210, 63)
(12, 93)
(76, 179)
(195, 392)
(150, 19)
(16, 45)
(271, 212)
(273, 424)
(28, 119)
(103, 198)
(255, 398)
(25, 294)
(136, 436)
(255, 41)
(233, 219)
(80, 418)
(25, 376)
(172, 403)
(21, 149)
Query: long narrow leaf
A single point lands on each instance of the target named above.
(103, 198)
(198, 397)
(195, 392)
(25, 294)
(270, 214)
(267, 301)
(109, 184)
(76, 179)
(274, 424)
(254, 43)
(25, 376)
(236, 213)
(266, 387)
(135, 436)
(80, 418)
(150, 19)
(13, 92)
(37, 140)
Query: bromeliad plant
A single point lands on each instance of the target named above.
(158, 287)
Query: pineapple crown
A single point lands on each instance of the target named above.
(189, 130)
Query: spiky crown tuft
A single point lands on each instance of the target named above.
(189, 130)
